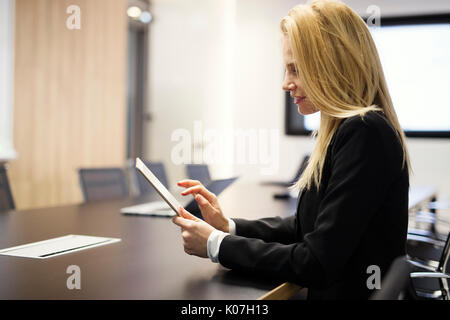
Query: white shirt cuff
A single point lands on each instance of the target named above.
(213, 244)
(232, 227)
(215, 239)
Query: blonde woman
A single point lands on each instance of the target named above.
(352, 211)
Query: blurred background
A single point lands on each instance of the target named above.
(94, 83)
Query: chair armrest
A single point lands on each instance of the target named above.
(420, 232)
(421, 265)
(427, 240)
(430, 275)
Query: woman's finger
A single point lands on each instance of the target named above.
(182, 222)
(203, 203)
(187, 215)
(203, 191)
(188, 183)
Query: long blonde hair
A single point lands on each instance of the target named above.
(341, 73)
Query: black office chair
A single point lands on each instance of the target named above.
(199, 172)
(430, 217)
(103, 184)
(396, 285)
(426, 252)
(433, 282)
(424, 249)
(424, 240)
(425, 244)
(300, 170)
(158, 170)
(297, 175)
(6, 199)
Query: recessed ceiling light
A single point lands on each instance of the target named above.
(134, 12)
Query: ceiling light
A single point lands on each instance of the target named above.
(134, 12)
(145, 17)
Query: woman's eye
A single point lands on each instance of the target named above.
(292, 70)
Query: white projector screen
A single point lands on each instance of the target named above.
(416, 62)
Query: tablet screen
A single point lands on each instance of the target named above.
(159, 187)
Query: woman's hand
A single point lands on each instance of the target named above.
(195, 233)
(207, 202)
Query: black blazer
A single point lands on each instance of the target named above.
(358, 218)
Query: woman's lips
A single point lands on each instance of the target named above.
(297, 100)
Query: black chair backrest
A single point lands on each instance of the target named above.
(300, 169)
(444, 267)
(103, 184)
(199, 172)
(6, 199)
(159, 171)
(396, 281)
(444, 263)
(435, 252)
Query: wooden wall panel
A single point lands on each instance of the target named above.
(70, 104)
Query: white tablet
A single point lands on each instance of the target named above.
(159, 187)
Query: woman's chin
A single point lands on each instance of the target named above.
(306, 110)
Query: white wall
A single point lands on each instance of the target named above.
(6, 78)
(185, 70)
(220, 61)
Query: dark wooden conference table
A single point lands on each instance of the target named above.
(148, 263)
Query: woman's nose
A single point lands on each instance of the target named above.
(291, 87)
(288, 86)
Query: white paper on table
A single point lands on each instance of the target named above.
(57, 246)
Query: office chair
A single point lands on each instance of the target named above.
(424, 249)
(6, 199)
(433, 282)
(425, 243)
(396, 283)
(158, 170)
(426, 252)
(430, 216)
(103, 184)
(198, 172)
(289, 183)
